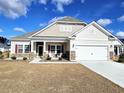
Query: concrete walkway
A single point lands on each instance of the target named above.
(108, 69)
(38, 60)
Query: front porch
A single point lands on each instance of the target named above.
(49, 50)
(118, 49)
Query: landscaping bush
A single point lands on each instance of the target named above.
(13, 58)
(60, 58)
(121, 58)
(6, 54)
(24, 58)
(1, 55)
(49, 58)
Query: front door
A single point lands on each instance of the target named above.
(40, 50)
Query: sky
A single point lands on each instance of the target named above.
(18, 17)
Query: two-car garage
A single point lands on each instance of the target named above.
(91, 52)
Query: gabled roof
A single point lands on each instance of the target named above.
(65, 19)
(24, 36)
(101, 29)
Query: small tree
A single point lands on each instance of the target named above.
(121, 58)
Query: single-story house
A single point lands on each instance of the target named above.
(4, 47)
(68, 38)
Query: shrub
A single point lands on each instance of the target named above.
(60, 58)
(6, 54)
(1, 55)
(13, 58)
(24, 58)
(49, 58)
(121, 58)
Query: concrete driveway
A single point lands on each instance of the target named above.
(108, 69)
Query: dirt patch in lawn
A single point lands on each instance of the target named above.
(22, 77)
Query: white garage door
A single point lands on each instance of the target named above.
(91, 52)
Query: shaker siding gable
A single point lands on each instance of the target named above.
(59, 30)
(91, 33)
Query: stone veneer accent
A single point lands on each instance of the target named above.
(72, 55)
(45, 56)
(111, 55)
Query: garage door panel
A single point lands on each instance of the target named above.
(91, 52)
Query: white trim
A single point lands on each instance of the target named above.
(49, 41)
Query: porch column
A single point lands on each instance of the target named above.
(118, 51)
(44, 46)
(32, 46)
(44, 51)
(122, 49)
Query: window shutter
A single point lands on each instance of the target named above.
(15, 48)
(48, 48)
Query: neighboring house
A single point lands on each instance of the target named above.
(70, 38)
(4, 47)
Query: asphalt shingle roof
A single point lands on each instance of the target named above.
(70, 19)
(24, 36)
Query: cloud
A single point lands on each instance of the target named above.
(43, 1)
(77, 14)
(1, 30)
(122, 4)
(50, 21)
(120, 34)
(60, 3)
(45, 8)
(42, 24)
(121, 19)
(14, 8)
(82, 1)
(55, 19)
(110, 30)
(18, 29)
(104, 22)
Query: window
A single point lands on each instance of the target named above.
(19, 48)
(65, 28)
(52, 48)
(27, 48)
(59, 49)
